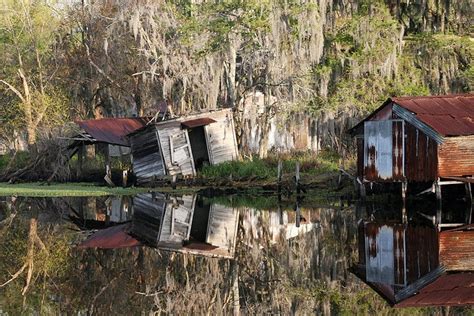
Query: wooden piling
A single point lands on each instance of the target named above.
(80, 161)
(124, 178)
(108, 168)
(297, 178)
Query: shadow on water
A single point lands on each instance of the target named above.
(190, 254)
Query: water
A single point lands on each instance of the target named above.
(189, 254)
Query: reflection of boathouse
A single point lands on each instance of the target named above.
(415, 265)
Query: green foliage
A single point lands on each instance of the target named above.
(20, 160)
(214, 23)
(266, 169)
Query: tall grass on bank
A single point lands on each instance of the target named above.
(266, 169)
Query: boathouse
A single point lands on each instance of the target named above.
(417, 139)
(182, 145)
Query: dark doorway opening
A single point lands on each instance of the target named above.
(200, 221)
(197, 139)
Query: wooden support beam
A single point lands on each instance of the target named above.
(297, 178)
(80, 160)
(108, 168)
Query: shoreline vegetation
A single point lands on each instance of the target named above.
(252, 175)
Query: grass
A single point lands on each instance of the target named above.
(267, 169)
(37, 189)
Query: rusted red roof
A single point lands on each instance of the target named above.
(112, 130)
(448, 290)
(449, 115)
(197, 122)
(110, 238)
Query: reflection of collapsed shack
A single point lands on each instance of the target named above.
(412, 265)
(182, 224)
(185, 224)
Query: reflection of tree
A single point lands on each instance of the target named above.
(304, 275)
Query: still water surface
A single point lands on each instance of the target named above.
(188, 254)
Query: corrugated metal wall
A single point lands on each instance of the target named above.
(456, 156)
(378, 148)
(456, 250)
(420, 155)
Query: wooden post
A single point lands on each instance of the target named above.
(80, 160)
(297, 178)
(279, 176)
(298, 213)
(173, 181)
(108, 168)
(124, 178)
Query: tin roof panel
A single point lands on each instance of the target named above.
(112, 130)
(447, 290)
(449, 115)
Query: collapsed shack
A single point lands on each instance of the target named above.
(183, 145)
(418, 140)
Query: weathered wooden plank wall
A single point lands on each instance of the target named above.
(222, 228)
(148, 211)
(221, 138)
(166, 132)
(147, 159)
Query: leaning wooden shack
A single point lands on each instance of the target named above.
(182, 145)
(418, 140)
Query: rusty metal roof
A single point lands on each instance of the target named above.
(197, 122)
(455, 289)
(110, 238)
(449, 115)
(112, 130)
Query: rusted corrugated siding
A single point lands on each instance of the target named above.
(456, 156)
(422, 254)
(457, 250)
(398, 148)
(420, 155)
